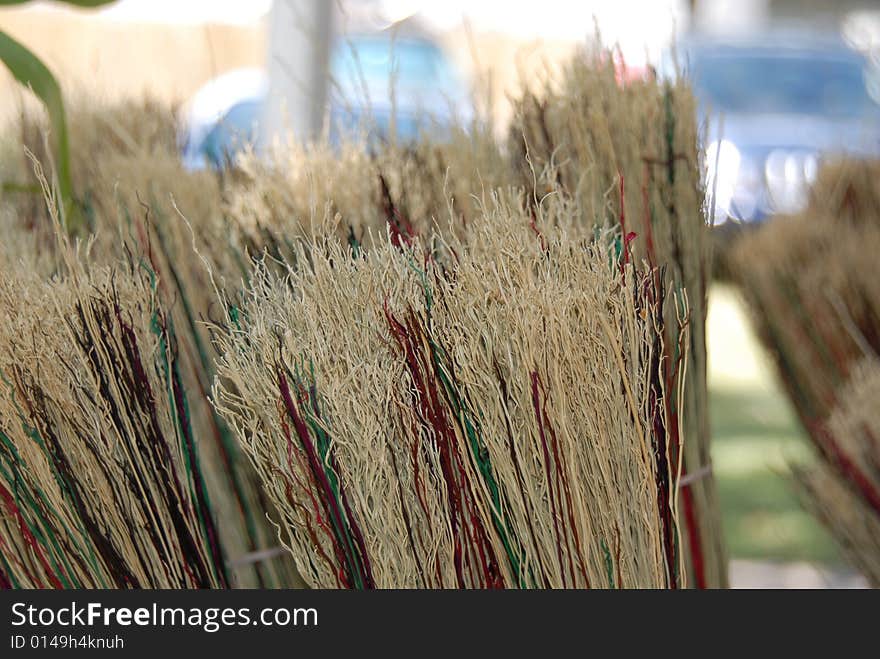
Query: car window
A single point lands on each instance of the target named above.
(416, 63)
(785, 84)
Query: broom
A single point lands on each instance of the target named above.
(495, 420)
(808, 281)
(626, 155)
(101, 482)
(843, 489)
(129, 181)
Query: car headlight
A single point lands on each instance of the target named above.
(789, 175)
(723, 161)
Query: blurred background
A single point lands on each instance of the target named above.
(781, 85)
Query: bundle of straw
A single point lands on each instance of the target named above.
(843, 490)
(101, 134)
(131, 185)
(808, 280)
(815, 301)
(847, 189)
(410, 188)
(624, 156)
(497, 421)
(635, 171)
(627, 156)
(100, 476)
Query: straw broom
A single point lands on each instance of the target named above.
(591, 140)
(100, 476)
(843, 489)
(494, 421)
(131, 180)
(815, 303)
(627, 156)
(415, 188)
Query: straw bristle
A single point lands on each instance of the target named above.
(627, 156)
(101, 482)
(815, 300)
(843, 490)
(809, 282)
(131, 183)
(489, 424)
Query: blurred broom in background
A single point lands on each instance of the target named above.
(810, 282)
(843, 489)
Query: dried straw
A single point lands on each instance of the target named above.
(626, 155)
(843, 490)
(130, 182)
(100, 476)
(494, 422)
(809, 281)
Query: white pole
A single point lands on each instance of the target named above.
(300, 32)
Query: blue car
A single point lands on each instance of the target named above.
(776, 105)
(366, 72)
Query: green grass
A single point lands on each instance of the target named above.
(755, 437)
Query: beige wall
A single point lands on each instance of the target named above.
(112, 58)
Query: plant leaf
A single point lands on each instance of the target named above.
(31, 72)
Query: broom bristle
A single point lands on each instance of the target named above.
(490, 423)
(809, 281)
(615, 158)
(626, 156)
(100, 477)
(843, 490)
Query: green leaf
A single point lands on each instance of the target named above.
(31, 72)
